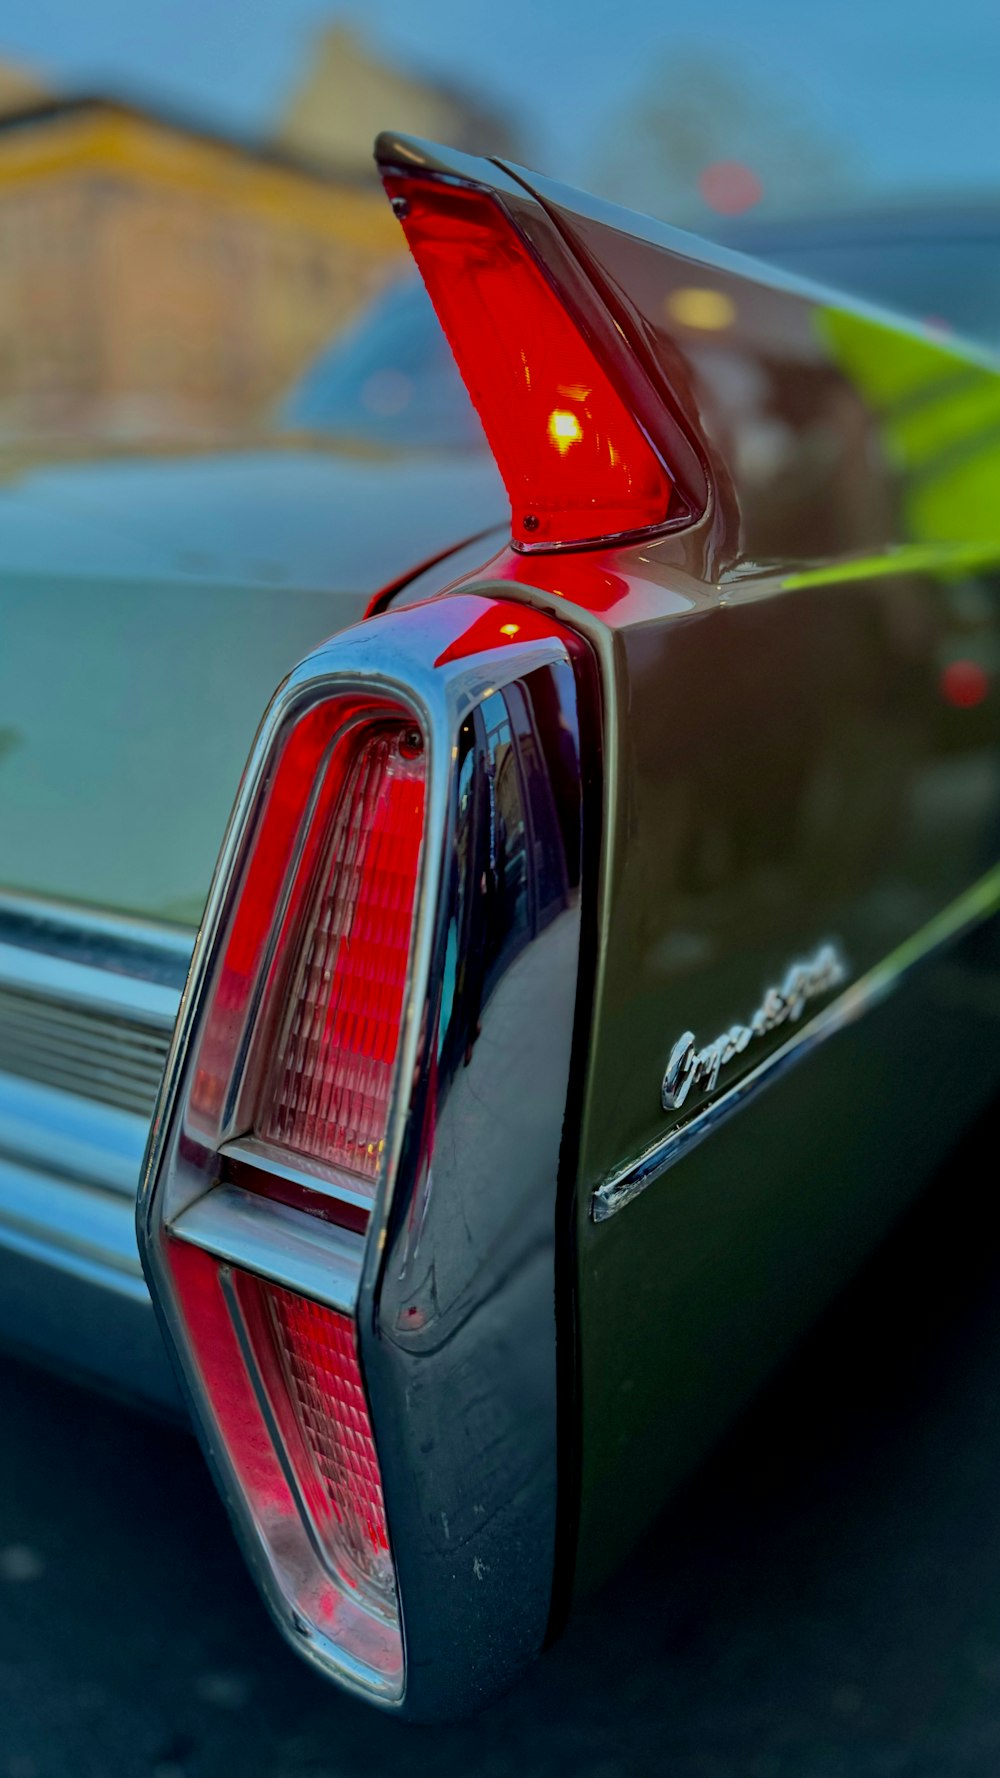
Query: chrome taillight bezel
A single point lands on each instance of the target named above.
(434, 662)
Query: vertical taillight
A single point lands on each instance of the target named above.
(308, 1358)
(318, 1356)
(282, 1380)
(292, 1085)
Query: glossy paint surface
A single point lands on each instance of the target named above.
(854, 809)
(800, 731)
(147, 612)
(789, 769)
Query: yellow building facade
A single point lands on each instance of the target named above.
(158, 281)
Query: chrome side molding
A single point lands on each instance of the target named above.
(961, 916)
(112, 943)
(88, 1002)
(87, 1005)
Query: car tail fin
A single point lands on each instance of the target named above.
(634, 379)
(587, 450)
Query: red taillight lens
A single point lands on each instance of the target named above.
(282, 1375)
(328, 1091)
(290, 1095)
(316, 1351)
(575, 462)
(291, 1090)
(301, 1039)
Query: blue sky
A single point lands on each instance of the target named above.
(914, 89)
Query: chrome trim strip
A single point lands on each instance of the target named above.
(76, 1138)
(961, 916)
(57, 977)
(72, 1292)
(82, 1052)
(88, 1003)
(111, 941)
(315, 1176)
(303, 1253)
(73, 1227)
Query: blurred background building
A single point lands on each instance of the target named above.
(160, 279)
(179, 245)
(155, 278)
(18, 87)
(348, 94)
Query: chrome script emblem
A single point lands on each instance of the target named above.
(690, 1066)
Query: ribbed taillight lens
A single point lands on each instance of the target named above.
(302, 1036)
(327, 1094)
(357, 1283)
(290, 1102)
(283, 1377)
(316, 1352)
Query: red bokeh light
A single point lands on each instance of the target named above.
(964, 684)
(730, 187)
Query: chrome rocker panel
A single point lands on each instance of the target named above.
(82, 997)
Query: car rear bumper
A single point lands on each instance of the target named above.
(85, 1003)
(71, 1288)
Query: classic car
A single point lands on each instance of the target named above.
(587, 972)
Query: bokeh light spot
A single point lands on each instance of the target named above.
(964, 684)
(730, 187)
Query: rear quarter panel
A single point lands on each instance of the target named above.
(801, 747)
(789, 774)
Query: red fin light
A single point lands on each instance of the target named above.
(575, 463)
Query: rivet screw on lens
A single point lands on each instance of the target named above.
(411, 743)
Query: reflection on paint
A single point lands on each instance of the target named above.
(938, 417)
(711, 310)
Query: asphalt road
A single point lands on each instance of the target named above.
(824, 1602)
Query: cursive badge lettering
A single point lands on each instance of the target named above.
(690, 1066)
